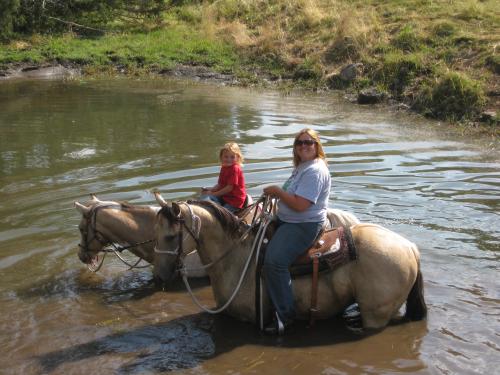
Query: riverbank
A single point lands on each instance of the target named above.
(435, 58)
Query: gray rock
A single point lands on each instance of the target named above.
(350, 72)
(488, 116)
(371, 95)
(39, 72)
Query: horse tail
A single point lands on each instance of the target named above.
(416, 309)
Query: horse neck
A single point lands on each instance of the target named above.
(130, 226)
(230, 255)
(214, 240)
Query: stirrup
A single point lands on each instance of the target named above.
(277, 327)
(281, 326)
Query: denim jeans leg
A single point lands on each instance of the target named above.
(212, 198)
(230, 208)
(289, 241)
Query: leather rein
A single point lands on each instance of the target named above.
(91, 221)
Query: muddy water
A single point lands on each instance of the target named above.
(61, 141)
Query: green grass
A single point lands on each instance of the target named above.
(440, 56)
(157, 49)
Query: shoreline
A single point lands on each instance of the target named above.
(201, 73)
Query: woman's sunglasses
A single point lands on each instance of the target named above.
(307, 142)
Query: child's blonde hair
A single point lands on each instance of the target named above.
(234, 148)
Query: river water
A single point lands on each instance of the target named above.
(120, 139)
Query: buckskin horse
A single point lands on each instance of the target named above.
(385, 275)
(108, 223)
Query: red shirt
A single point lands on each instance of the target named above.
(233, 175)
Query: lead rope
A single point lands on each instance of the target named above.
(255, 248)
(117, 251)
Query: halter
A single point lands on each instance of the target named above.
(194, 231)
(91, 221)
(266, 216)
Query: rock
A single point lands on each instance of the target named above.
(198, 73)
(350, 72)
(371, 96)
(345, 78)
(488, 116)
(333, 81)
(40, 72)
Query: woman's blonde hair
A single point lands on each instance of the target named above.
(234, 148)
(319, 149)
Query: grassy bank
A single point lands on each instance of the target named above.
(438, 56)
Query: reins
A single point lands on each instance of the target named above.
(263, 220)
(98, 236)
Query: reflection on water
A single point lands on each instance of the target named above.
(61, 141)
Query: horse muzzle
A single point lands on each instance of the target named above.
(85, 256)
(163, 280)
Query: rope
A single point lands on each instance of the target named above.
(265, 219)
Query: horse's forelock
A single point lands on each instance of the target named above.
(167, 213)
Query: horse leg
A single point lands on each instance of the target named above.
(377, 317)
(352, 318)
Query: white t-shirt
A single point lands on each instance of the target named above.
(310, 180)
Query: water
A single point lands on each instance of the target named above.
(121, 139)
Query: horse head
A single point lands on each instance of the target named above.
(180, 228)
(173, 240)
(92, 240)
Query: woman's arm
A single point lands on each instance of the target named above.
(295, 202)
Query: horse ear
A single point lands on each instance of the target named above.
(176, 209)
(83, 210)
(93, 198)
(162, 202)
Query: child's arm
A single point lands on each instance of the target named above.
(210, 189)
(219, 193)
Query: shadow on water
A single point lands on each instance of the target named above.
(187, 342)
(129, 286)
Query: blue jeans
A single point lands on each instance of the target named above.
(219, 201)
(289, 241)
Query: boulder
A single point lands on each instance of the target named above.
(371, 95)
(350, 72)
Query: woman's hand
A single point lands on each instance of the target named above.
(273, 191)
(295, 202)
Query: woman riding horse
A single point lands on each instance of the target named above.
(385, 274)
(302, 207)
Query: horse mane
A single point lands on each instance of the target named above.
(127, 207)
(229, 222)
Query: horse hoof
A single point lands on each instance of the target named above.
(352, 318)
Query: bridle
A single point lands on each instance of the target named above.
(265, 218)
(194, 232)
(91, 222)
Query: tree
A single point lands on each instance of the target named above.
(8, 10)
